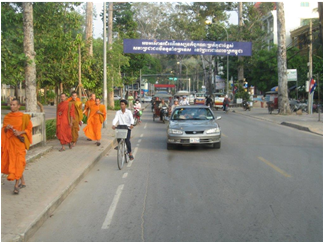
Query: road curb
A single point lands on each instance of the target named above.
(288, 124)
(35, 225)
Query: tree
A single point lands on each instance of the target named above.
(283, 101)
(30, 67)
(89, 26)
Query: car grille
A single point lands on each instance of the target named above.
(194, 132)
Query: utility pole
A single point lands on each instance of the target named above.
(105, 94)
(110, 41)
(310, 73)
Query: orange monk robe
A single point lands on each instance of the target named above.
(78, 116)
(13, 151)
(88, 104)
(63, 128)
(95, 121)
(70, 99)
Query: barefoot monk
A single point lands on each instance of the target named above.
(16, 137)
(97, 116)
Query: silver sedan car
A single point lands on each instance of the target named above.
(191, 125)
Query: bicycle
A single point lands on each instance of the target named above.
(122, 155)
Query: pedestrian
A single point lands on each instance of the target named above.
(130, 100)
(78, 116)
(98, 114)
(64, 122)
(16, 137)
(87, 106)
(124, 119)
(225, 103)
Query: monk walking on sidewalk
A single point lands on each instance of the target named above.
(88, 104)
(78, 116)
(16, 137)
(64, 124)
(97, 116)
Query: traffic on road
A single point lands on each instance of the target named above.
(262, 185)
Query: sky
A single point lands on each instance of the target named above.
(98, 25)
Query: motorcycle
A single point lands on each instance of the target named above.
(163, 113)
(136, 116)
(246, 106)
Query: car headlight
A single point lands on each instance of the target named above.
(212, 131)
(175, 131)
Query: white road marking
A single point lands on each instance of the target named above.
(142, 135)
(125, 175)
(134, 154)
(139, 140)
(145, 126)
(112, 208)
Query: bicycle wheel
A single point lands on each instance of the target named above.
(120, 156)
(126, 155)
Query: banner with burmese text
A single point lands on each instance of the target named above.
(187, 47)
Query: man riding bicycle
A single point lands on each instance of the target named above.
(125, 120)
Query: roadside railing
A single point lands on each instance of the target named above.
(39, 128)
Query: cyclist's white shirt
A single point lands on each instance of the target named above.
(125, 118)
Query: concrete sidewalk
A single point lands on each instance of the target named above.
(305, 122)
(50, 176)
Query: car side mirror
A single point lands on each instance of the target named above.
(218, 118)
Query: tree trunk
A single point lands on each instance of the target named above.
(283, 102)
(110, 22)
(89, 26)
(80, 72)
(30, 67)
(240, 58)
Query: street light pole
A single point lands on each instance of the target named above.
(189, 85)
(208, 22)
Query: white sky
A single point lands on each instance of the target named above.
(98, 24)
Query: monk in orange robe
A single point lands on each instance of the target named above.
(88, 104)
(98, 114)
(16, 137)
(64, 122)
(78, 116)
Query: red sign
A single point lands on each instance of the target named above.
(164, 85)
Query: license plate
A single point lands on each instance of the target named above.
(194, 140)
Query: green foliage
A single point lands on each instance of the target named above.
(50, 129)
(241, 93)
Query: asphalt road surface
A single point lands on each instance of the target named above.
(264, 184)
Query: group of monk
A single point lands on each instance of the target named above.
(70, 116)
(16, 133)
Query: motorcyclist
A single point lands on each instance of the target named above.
(137, 108)
(175, 104)
(184, 102)
(161, 105)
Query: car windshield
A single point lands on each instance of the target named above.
(192, 114)
(199, 95)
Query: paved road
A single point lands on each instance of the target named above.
(264, 184)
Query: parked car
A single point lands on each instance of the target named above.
(116, 97)
(193, 125)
